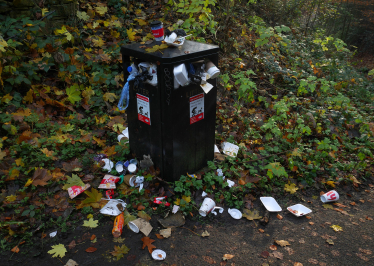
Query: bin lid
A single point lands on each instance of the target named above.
(189, 50)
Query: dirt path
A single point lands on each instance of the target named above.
(307, 239)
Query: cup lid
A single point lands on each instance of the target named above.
(155, 23)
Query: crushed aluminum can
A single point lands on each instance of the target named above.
(118, 225)
(111, 208)
(109, 182)
(159, 200)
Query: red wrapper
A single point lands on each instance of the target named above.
(76, 190)
(118, 225)
(109, 182)
(159, 200)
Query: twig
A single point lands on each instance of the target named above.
(190, 230)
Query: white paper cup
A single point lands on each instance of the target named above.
(330, 196)
(207, 206)
(131, 168)
(212, 70)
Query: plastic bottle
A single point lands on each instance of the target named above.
(132, 69)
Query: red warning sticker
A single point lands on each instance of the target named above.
(143, 109)
(196, 108)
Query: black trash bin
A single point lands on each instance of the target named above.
(160, 118)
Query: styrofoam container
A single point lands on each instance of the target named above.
(299, 210)
(180, 73)
(271, 204)
(158, 254)
(235, 213)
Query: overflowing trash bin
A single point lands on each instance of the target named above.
(172, 105)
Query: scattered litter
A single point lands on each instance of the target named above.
(299, 210)
(98, 158)
(119, 167)
(235, 213)
(230, 149)
(159, 200)
(118, 225)
(330, 196)
(166, 232)
(108, 164)
(216, 150)
(175, 209)
(140, 225)
(271, 204)
(209, 206)
(231, 183)
(173, 220)
(204, 194)
(120, 137)
(113, 207)
(206, 87)
(212, 70)
(158, 254)
(109, 182)
(136, 181)
(71, 263)
(53, 234)
(126, 132)
(131, 168)
(205, 234)
(127, 179)
(76, 190)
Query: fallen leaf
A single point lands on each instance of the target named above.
(313, 261)
(265, 254)
(297, 264)
(362, 257)
(280, 217)
(15, 249)
(91, 249)
(336, 228)
(282, 243)
(227, 257)
(277, 254)
(166, 232)
(58, 250)
(205, 234)
(91, 223)
(261, 230)
(71, 263)
(353, 203)
(74, 180)
(148, 242)
(291, 188)
(328, 206)
(120, 251)
(92, 237)
(41, 177)
(72, 244)
(144, 215)
(308, 217)
(94, 197)
(209, 260)
(273, 247)
(251, 215)
(159, 236)
(118, 239)
(365, 251)
(330, 241)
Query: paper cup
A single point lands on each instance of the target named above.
(212, 70)
(140, 225)
(157, 30)
(131, 168)
(330, 196)
(207, 206)
(127, 178)
(119, 167)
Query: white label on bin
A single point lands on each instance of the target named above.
(143, 109)
(196, 108)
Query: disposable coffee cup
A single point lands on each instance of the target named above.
(157, 30)
(330, 196)
(212, 70)
(131, 168)
(127, 178)
(208, 206)
(140, 225)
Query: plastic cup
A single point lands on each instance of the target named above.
(157, 30)
(330, 196)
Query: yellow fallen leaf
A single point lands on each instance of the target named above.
(14, 173)
(131, 34)
(101, 10)
(291, 188)
(11, 198)
(336, 228)
(109, 97)
(331, 183)
(29, 182)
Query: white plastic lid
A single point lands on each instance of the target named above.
(158, 254)
(235, 213)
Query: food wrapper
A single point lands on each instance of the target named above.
(118, 225)
(76, 190)
(230, 149)
(159, 200)
(112, 207)
(109, 181)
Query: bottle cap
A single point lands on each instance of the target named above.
(129, 69)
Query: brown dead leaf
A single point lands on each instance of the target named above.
(15, 249)
(159, 236)
(261, 230)
(227, 257)
(277, 254)
(73, 166)
(362, 201)
(91, 249)
(289, 250)
(280, 217)
(273, 247)
(265, 254)
(362, 257)
(147, 242)
(282, 243)
(41, 177)
(92, 237)
(308, 217)
(297, 264)
(313, 261)
(353, 203)
(365, 251)
(209, 260)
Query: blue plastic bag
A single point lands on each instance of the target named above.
(125, 93)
